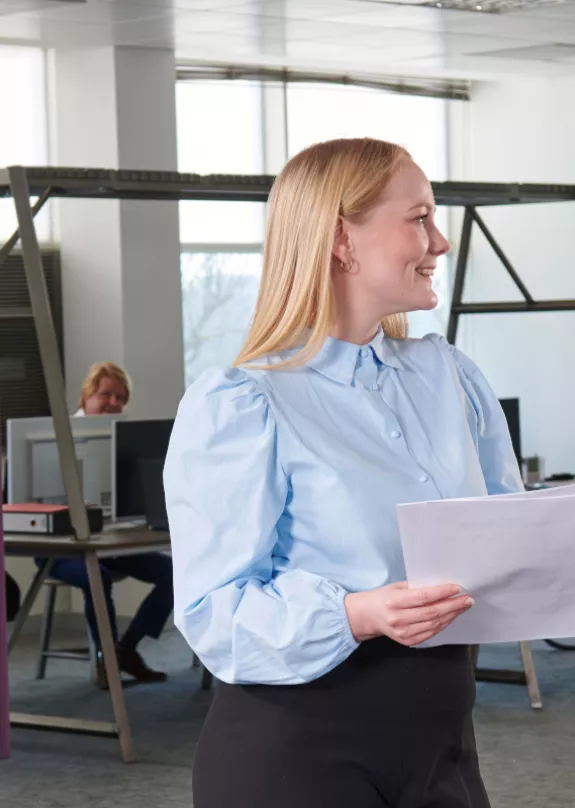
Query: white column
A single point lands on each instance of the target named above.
(274, 122)
(115, 108)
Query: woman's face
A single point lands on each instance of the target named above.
(394, 248)
(110, 398)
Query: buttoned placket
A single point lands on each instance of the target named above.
(368, 375)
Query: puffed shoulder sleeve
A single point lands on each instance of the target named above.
(225, 493)
(496, 455)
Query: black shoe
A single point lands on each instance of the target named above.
(130, 661)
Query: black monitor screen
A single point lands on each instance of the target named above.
(136, 441)
(511, 409)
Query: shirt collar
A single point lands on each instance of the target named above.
(338, 359)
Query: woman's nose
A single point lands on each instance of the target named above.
(439, 245)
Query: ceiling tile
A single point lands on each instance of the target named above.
(15, 6)
(297, 9)
(534, 53)
(180, 5)
(145, 31)
(97, 12)
(20, 28)
(207, 21)
(339, 35)
(52, 34)
(565, 11)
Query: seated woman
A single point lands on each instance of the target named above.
(106, 390)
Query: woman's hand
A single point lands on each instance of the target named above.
(407, 616)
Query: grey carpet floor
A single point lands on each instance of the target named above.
(528, 758)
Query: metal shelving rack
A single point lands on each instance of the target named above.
(79, 183)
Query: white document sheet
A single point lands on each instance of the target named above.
(515, 554)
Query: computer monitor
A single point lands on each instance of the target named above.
(132, 442)
(152, 478)
(510, 408)
(33, 462)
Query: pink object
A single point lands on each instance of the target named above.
(4, 698)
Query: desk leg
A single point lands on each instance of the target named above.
(530, 675)
(474, 649)
(110, 658)
(28, 601)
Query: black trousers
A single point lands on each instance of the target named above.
(391, 726)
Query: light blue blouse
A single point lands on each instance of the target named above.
(281, 489)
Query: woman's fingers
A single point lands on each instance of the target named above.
(434, 612)
(400, 597)
(392, 610)
(409, 634)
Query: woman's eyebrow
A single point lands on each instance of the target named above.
(426, 205)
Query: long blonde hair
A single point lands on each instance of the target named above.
(336, 178)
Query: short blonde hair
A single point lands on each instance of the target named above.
(103, 370)
(337, 178)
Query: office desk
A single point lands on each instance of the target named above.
(113, 541)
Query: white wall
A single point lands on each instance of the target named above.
(523, 131)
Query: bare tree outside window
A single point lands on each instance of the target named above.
(218, 297)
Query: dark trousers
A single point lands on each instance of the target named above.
(12, 597)
(151, 568)
(389, 728)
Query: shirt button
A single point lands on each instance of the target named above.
(364, 353)
(424, 478)
(395, 434)
(375, 387)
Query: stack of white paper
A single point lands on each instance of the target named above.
(515, 554)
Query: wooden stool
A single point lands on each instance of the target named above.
(527, 676)
(45, 651)
(88, 654)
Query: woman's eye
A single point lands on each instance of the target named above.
(423, 219)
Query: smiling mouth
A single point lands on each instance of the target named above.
(425, 272)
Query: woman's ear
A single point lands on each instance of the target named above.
(341, 242)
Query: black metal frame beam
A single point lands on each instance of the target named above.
(91, 183)
(96, 183)
(458, 307)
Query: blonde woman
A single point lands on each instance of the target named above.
(282, 479)
(106, 390)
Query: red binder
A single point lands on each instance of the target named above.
(33, 517)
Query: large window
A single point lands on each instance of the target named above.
(322, 112)
(221, 131)
(219, 293)
(23, 132)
